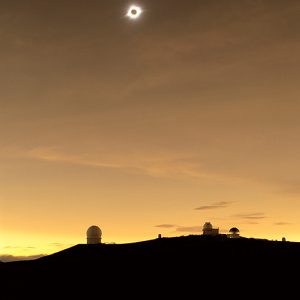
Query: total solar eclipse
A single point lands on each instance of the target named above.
(134, 12)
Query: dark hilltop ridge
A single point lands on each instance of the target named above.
(167, 264)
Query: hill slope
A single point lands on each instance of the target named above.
(182, 263)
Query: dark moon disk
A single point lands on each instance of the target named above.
(134, 12)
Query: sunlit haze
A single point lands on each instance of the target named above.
(189, 115)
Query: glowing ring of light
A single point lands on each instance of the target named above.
(134, 12)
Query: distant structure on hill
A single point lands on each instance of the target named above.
(209, 230)
(94, 235)
(234, 233)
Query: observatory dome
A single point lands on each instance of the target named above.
(234, 230)
(207, 226)
(94, 235)
(234, 233)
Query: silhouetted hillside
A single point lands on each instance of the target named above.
(173, 264)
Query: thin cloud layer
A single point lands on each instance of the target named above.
(197, 229)
(60, 245)
(9, 258)
(282, 223)
(163, 164)
(221, 204)
(250, 216)
(18, 247)
(165, 226)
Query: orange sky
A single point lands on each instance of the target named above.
(132, 125)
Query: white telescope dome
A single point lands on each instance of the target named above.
(207, 226)
(94, 235)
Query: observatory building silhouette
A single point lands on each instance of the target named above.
(93, 235)
(209, 230)
(234, 233)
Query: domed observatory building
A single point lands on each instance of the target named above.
(93, 235)
(209, 230)
(234, 233)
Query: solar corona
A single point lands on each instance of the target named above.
(134, 12)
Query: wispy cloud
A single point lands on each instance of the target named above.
(8, 257)
(221, 204)
(161, 164)
(282, 223)
(250, 216)
(165, 226)
(197, 229)
(251, 222)
(60, 245)
(18, 247)
(56, 154)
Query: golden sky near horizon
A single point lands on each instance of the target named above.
(188, 114)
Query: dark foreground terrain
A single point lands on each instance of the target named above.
(164, 268)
